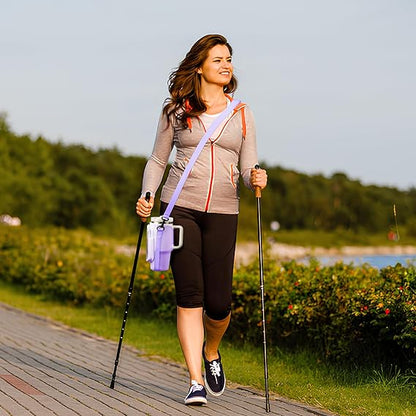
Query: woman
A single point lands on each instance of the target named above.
(207, 207)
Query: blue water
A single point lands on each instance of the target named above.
(378, 261)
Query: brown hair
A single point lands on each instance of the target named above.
(184, 83)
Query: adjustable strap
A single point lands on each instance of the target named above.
(215, 124)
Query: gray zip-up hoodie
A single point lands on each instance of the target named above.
(212, 185)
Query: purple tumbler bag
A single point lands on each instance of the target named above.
(160, 242)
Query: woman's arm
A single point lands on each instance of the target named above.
(248, 156)
(248, 152)
(156, 165)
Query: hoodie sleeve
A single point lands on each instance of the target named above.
(248, 154)
(156, 165)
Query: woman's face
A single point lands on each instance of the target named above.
(217, 68)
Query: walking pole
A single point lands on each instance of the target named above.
(126, 310)
(257, 192)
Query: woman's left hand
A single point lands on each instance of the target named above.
(258, 177)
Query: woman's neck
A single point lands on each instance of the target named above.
(214, 98)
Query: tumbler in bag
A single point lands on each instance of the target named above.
(160, 242)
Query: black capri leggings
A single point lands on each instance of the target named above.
(203, 267)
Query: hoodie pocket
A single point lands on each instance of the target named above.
(234, 175)
(180, 165)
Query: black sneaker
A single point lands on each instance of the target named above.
(214, 375)
(197, 395)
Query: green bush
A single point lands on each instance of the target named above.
(340, 311)
(75, 266)
(72, 186)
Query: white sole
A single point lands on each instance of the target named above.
(213, 393)
(196, 401)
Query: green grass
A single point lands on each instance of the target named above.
(296, 375)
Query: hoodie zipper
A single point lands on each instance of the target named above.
(212, 142)
(211, 179)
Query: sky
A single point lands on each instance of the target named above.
(331, 82)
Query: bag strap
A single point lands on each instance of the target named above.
(215, 124)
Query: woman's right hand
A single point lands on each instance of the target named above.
(144, 208)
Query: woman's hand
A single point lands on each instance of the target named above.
(258, 177)
(144, 208)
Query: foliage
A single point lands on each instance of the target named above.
(69, 186)
(72, 186)
(300, 201)
(341, 311)
(338, 311)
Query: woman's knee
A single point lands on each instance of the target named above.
(217, 314)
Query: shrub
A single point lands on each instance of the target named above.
(340, 311)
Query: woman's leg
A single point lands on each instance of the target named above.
(219, 235)
(191, 337)
(187, 272)
(214, 331)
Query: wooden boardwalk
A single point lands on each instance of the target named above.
(49, 369)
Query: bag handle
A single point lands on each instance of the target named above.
(215, 124)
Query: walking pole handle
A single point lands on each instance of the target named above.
(257, 189)
(147, 198)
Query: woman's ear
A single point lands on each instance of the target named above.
(199, 71)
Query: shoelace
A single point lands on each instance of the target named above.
(196, 387)
(215, 369)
